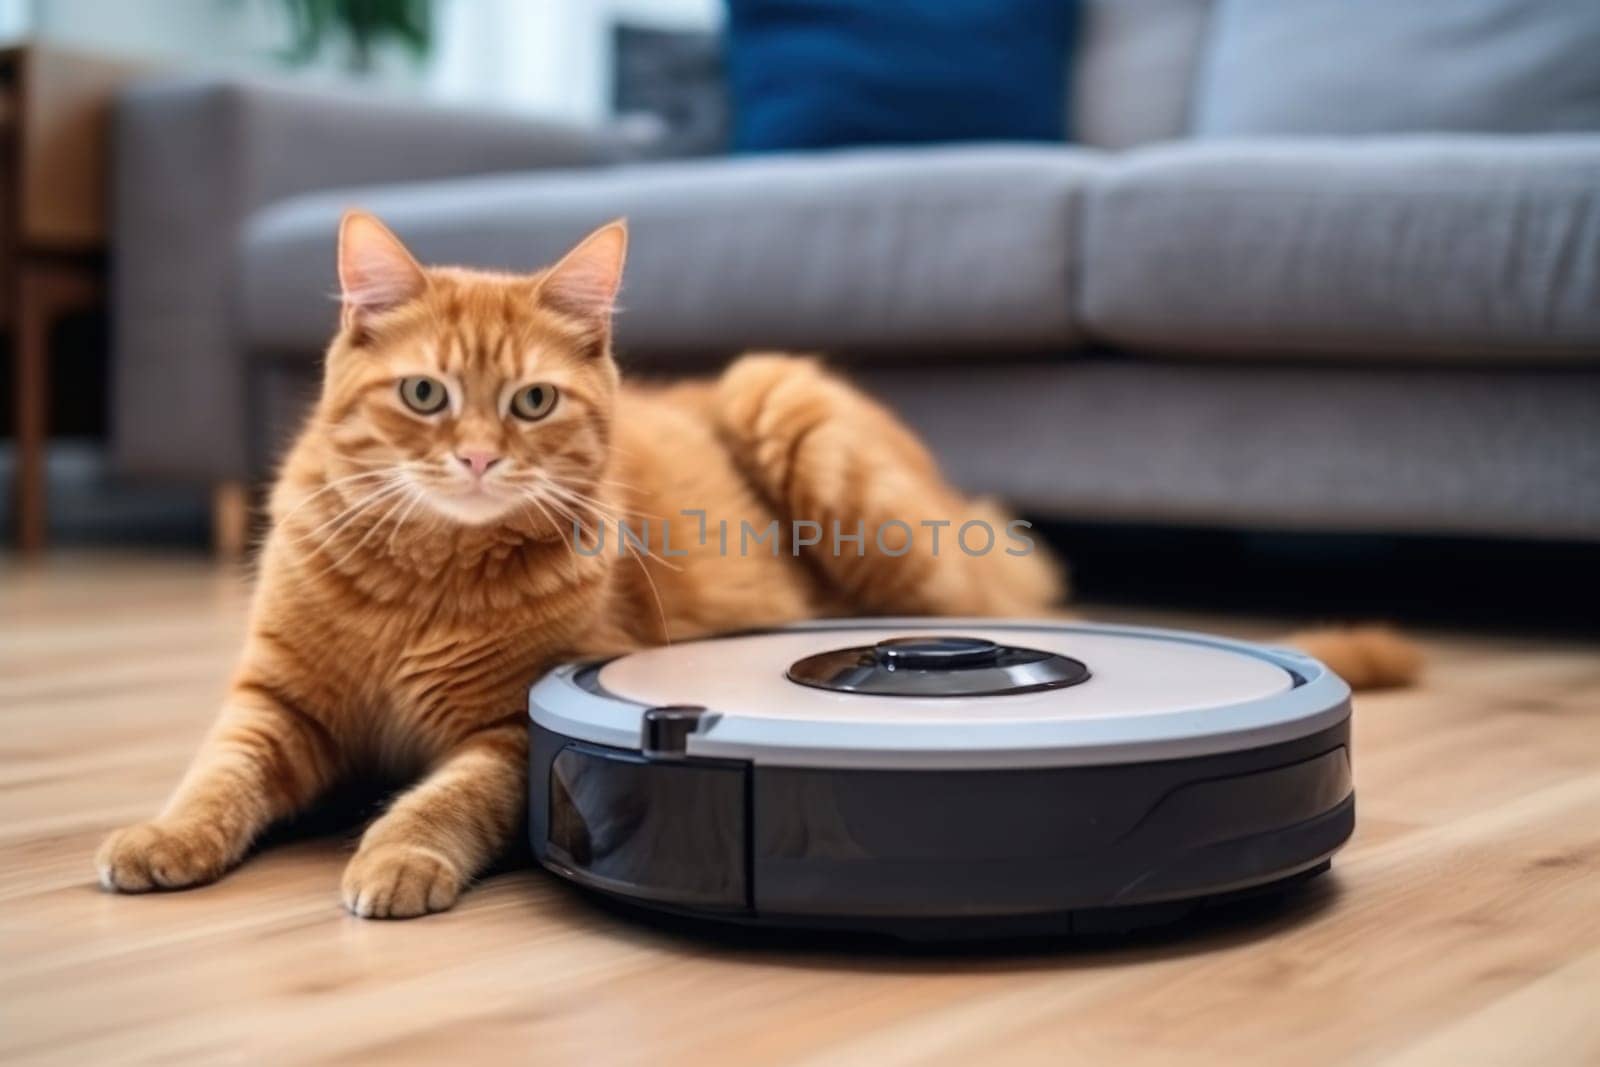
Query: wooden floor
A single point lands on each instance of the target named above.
(1462, 926)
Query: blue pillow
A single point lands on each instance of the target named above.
(827, 73)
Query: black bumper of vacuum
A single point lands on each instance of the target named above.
(923, 851)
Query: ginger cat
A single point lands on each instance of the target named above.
(422, 569)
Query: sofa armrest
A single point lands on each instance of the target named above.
(193, 159)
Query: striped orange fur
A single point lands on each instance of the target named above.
(420, 571)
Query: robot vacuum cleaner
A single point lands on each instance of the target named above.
(933, 778)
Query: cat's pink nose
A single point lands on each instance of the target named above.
(477, 461)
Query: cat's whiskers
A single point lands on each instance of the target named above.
(594, 511)
(639, 559)
(329, 487)
(352, 511)
(644, 551)
(566, 474)
(567, 512)
(529, 496)
(554, 493)
(409, 496)
(612, 509)
(666, 634)
(385, 470)
(603, 483)
(555, 526)
(400, 523)
(618, 522)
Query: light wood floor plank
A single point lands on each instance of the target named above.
(1461, 926)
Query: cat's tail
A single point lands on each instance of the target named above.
(1366, 657)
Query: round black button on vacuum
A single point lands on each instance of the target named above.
(937, 665)
(935, 653)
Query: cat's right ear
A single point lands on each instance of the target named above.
(584, 283)
(376, 273)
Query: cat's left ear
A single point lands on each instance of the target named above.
(585, 283)
(376, 273)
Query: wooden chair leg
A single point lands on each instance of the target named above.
(230, 520)
(45, 291)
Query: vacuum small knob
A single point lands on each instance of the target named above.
(664, 731)
(935, 652)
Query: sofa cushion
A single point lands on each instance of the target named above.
(1134, 72)
(1391, 66)
(1424, 247)
(884, 251)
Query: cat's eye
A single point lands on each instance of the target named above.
(533, 401)
(425, 396)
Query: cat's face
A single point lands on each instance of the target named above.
(478, 397)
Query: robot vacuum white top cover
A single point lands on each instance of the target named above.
(1128, 695)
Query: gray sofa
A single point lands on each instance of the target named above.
(1195, 313)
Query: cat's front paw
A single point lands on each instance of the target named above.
(399, 882)
(154, 855)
